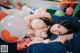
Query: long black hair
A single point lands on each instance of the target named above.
(69, 25)
(72, 28)
(47, 21)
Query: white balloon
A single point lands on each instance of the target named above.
(27, 9)
(21, 13)
(13, 28)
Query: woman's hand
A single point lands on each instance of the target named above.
(22, 44)
(63, 38)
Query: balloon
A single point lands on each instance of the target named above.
(13, 28)
(33, 8)
(27, 9)
(59, 13)
(69, 11)
(19, 3)
(2, 15)
(11, 2)
(60, 7)
(21, 13)
(5, 2)
(23, 4)
(18, 7)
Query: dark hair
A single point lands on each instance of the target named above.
(47, 21)
(49, 33)
(69, 25)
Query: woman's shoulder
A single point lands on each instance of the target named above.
(53, 37)
(77, 35)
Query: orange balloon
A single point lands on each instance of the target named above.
(2, 15)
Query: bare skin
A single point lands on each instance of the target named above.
(37, 34)
(61, 39)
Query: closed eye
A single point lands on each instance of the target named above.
(59, 26)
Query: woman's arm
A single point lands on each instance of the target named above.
(54, 47)
(35, 16)
(63, 38)
(38, 15)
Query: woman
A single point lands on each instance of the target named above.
(75, 20)
(38, 25)
(35, 17)
(73, 43)
(76, 37)
(65, 31)
(63, 28)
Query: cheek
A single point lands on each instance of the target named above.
(57, 33)
(64, 31)
(44, 35)
(51, 30)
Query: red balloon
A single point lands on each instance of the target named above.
(69, 11)
(2, 15)
(19, 3)
(5, 2)
(18, 7)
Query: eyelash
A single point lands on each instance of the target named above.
(59, 26)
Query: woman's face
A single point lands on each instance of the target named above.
(40, 27)
(58, 29)
(38, 24)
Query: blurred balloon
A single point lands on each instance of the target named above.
(19, 3)
(27, 9)
(69, 11)
(60, 7)
(11, 2)
(18, 7)
(2, 15)
(5, 2)
(22, 13)
(33, 8)
(13, 28)
(59, 13)
(8, 1)
(23, 4)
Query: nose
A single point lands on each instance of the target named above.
(54, 30)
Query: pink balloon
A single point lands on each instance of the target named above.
(69, 11)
